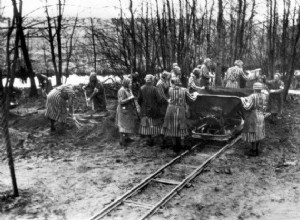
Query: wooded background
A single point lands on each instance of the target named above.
(149, 37)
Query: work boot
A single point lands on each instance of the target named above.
(128, 139)
(163, 142)
(182, 143)
(177, 146)
(52, 127)
(122, 140)
(150, 141)
(253, 152)
(257, 148)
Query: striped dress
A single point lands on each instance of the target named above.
(254, 128)
(150, 100)
(126, 117)
(232, 77)
(175, 119)
(194, 83)
(56, 105)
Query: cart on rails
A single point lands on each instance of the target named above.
(217, 114)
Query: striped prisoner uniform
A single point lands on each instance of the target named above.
(56, 105)
(149, 100)
(254, 128)
(175, 119)
(232, 77)
(194, 83)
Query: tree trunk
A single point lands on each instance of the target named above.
(7, 143)
(219, 45)
(59, 45)
(33, 89)
(94, 45)
(69, 53)
(52, 47)
(293, 58)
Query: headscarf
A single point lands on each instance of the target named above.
(258, 86)
(206, 61)
(174, 65)
(196, 72)
(93, 76)
(238, 63)
(177, 70)
(165, 75)
(149, 78)
(277, 74)
(126, 82)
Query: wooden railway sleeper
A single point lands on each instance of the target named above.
(138, 204)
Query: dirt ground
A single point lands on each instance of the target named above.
(72, 174)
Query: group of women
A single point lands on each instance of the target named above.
(161, 108)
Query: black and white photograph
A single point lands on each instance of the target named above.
(150, 109)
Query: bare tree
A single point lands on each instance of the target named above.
(19, 24)
(295, 50)
(4, 108)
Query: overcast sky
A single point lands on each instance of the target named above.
(85, 8)
(95, 8)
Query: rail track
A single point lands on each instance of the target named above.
(167, 180)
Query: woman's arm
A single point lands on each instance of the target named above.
(160, 90)
(189, 96)
(281, 88)
(247, 102)
(122, 97)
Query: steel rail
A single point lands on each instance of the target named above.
(187, 180)
(143, 183)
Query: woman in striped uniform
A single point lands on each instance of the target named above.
(149, 100)
(195, 81)
(254, 128)
(126, 118)
(233, 74)
(57, 101)
(175, 125)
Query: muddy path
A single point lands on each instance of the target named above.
(75, 173)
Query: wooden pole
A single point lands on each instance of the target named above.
(7, 143)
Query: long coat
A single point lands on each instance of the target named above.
(126, 118)
(163, 90)
(149, 100)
